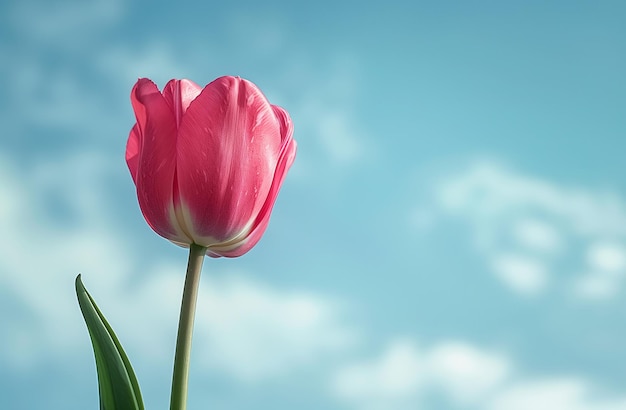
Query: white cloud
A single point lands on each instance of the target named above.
(390, 382)
(466, 373)
(604, 271)
(607, 257)
(527, 276)
(253, 332)
(325, 110)
(462, 375)
(596, 286)
(527, 228)
(553, 394)
(492, 190)
(404, 375)
(538, 235)
(396, 374)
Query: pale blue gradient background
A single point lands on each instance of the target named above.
(452, 234)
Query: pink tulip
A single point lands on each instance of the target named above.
(208, 162)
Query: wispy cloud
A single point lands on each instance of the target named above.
(255, 332)
(389, 381)
(405, 376)
(532, 232)
(557, 393)
(460, 375)
(326, 112)
(527, 275)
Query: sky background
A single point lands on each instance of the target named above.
(452, 234)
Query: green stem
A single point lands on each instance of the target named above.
(180, 377)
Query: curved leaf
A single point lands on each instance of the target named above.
(117, 383)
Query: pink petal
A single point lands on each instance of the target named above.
(154, 137)
(229, 143)
(287, 156)
(132, 151)
(179, 94)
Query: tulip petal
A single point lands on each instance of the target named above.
(154, 136)
(229, 142)
(133, 147)
(179, 94)
(287, 156)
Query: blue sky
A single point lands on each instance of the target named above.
(452, 234)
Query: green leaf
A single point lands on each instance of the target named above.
(117, 383)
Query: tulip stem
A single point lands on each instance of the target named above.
(180, 377)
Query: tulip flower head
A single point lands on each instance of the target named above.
(208, 162)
